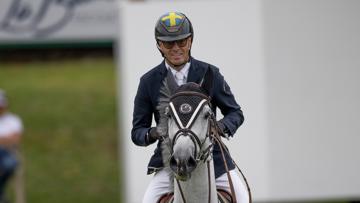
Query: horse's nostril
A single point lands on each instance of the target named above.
(173, 163)
(191, 164)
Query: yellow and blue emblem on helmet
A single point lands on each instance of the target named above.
(172, 19)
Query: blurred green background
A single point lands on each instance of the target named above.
(70, 142)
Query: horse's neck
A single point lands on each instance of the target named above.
(165, 152)
(196, 189)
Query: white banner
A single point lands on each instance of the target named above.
(53, 20)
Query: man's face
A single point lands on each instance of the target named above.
(176, 53)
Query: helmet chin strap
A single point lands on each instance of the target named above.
(158, 47)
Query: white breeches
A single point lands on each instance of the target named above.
(160, 185)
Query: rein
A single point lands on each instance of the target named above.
(216, 135)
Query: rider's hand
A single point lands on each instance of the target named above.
(224, 132)
(152, 135)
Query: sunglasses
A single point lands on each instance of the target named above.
(171, 44)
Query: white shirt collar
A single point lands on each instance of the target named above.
(184, 70)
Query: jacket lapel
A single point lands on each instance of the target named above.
(196, 72)
(157, 80)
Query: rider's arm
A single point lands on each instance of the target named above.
(142, 116)
(224, 99)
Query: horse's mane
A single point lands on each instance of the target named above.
(164, 98)
(162, 126)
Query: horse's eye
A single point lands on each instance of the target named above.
(207, 114)
(167, 112)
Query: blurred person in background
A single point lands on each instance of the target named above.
(11, 129)
(174, 35)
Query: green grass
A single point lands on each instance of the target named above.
(70, 141)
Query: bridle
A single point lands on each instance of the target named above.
(200, 154)
(203, 153)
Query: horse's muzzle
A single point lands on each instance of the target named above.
(182, 167)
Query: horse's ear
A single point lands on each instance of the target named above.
(170, 84)
(207, 81)
(171, 87)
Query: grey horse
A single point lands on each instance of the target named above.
(186, 120)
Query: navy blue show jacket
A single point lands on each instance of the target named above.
(146, 101)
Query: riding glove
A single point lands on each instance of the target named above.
(224, 132)
(152, 135)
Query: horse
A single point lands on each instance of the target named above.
(188, 128)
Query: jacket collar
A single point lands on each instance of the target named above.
(196, 73)
(162, 68)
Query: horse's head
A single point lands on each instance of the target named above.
(190, 118)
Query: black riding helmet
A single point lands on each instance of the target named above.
(173, 26)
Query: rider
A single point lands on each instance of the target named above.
(174, 35)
